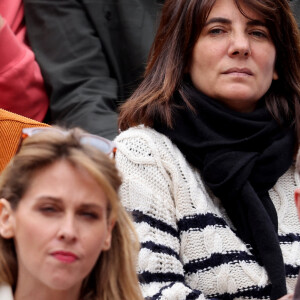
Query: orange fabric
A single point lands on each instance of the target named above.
(11, 126)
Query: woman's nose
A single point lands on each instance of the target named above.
(239, 45)
(67, 231)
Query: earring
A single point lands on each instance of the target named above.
(2, 232)
(6, 233)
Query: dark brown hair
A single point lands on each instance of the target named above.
(181, 23)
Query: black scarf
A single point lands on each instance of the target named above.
(240, 156)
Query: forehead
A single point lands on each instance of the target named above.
(231, 9)
(61, 180)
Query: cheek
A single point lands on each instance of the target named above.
(205, 60)
(199, 58)
(267, 75)
(30, 234)
(267, 61)
(93, 249)
(95, 245)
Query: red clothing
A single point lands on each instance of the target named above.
(21, 84)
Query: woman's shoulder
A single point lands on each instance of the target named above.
(146, 143)
(5, 292)
(139, 133)
(143, 150)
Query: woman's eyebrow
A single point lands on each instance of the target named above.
(49, 198)
(256, 23)
(59, 201)
(228, 21)
(91, 206)
(218, 20)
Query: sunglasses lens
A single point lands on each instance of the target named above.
(97, 143)
(32, 131)
(103, 145)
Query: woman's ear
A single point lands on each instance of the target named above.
(6, 219)
(107, 241)
(275, 75)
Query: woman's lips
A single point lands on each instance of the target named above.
(64, 256)
(239, 71)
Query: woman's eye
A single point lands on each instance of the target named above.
(48, 209)
(259, 34)
(89, 215)
(216, 31)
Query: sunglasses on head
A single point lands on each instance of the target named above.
(104, 145)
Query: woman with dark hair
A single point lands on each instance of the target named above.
(207, 150)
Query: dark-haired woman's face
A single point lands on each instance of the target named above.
(234, 57)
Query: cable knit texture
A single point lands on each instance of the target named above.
(6, 292)
(189, 249)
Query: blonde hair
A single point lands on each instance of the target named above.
(114, 275)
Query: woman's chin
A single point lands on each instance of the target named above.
(239, 100)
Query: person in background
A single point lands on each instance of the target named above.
(21, 83)
(64, 234)
(207, 152)
(296, 295)
(92, 55)
(11, 126)
(295, 6)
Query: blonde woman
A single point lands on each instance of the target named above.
(64, 233)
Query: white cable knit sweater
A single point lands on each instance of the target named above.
(188, 247)
(6, 292)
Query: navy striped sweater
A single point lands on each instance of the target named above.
(189, 249)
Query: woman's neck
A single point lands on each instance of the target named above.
(45, 293)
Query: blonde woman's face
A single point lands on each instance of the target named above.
(233, 60)
(60, 228)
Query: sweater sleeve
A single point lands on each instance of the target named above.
(148, 193)
(21, 82)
